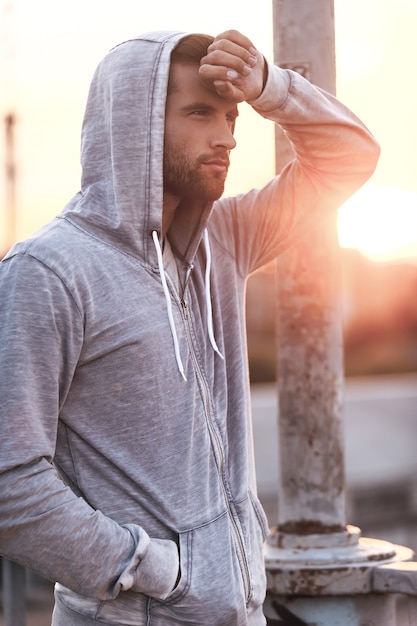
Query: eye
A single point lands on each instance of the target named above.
(199, 113)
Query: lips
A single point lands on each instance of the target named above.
(220, 165)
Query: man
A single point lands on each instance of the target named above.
(126, 452)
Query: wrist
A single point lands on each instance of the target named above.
(275, 91)
(265, 76)
(264, 81)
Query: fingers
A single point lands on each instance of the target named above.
(233, 67)
(229, 56)
(235, 43)
(232, 56)
(229, 91)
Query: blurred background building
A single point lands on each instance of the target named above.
(379, 317)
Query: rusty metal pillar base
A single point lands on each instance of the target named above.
(328, 579)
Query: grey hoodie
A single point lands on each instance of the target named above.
(118, 472)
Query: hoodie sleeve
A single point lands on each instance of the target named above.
(334, 154)
(43, 524)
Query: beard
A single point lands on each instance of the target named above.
(185, 176)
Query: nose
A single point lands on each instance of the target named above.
(223, 137)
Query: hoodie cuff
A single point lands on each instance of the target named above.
(157, 572)
(154, 567)
(276, 90)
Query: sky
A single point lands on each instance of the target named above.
(49, 50)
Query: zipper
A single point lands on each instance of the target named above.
(185, 314)
(215, 438)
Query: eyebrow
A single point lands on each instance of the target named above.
(208, 107)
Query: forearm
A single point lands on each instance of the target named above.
(45, 527)
(334, 155)
(327, 138)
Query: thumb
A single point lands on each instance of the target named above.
(227, 90)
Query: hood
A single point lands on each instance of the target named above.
(122, 147)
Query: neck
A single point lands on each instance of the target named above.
(170, 204)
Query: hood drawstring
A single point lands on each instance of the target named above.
(169, 304)
(168, 301)
(208, 295)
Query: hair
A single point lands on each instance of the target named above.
(189, 51)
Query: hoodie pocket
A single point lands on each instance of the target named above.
(211, 590)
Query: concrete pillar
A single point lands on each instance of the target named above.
(310, 352)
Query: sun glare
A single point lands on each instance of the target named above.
(380, 222)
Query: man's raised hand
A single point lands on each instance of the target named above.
(233, 67)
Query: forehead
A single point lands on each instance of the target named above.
(186, 87)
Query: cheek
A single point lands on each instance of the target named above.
(184, 145)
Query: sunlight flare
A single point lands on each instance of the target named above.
(379, 221)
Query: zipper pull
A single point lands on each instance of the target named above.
(184, 308)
